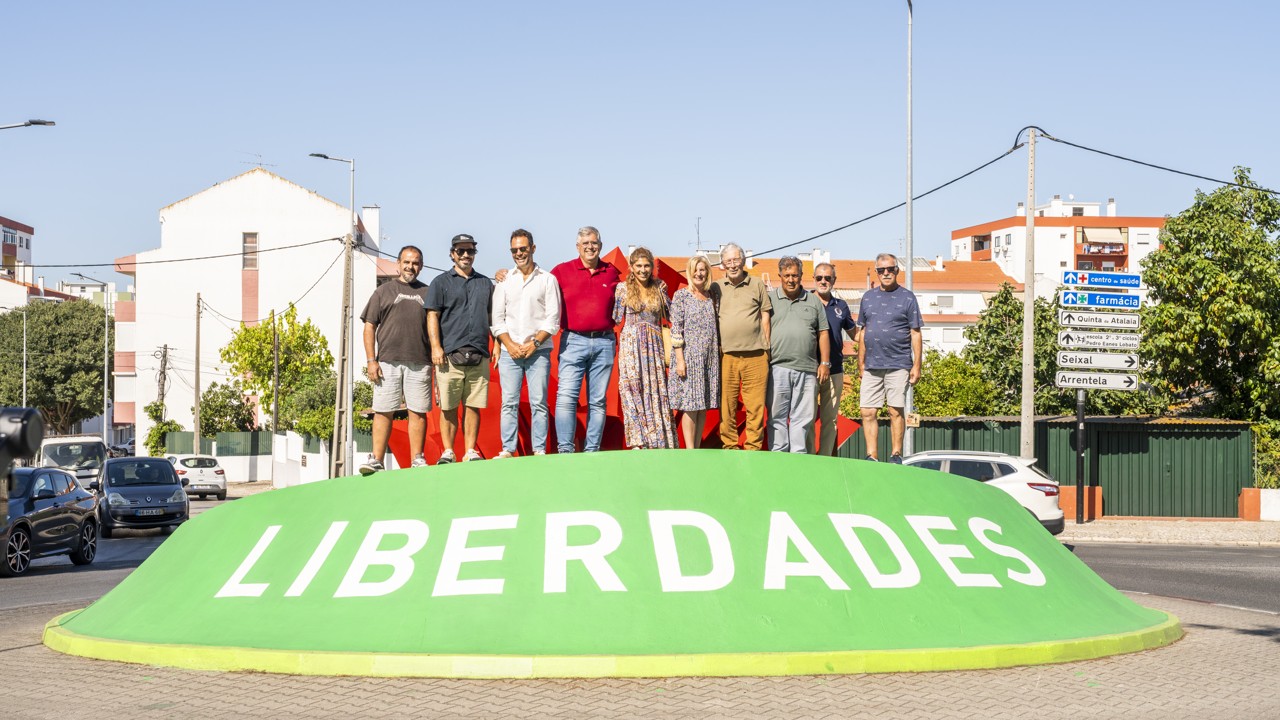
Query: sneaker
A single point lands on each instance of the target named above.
(896, 459)
(505, 454)
(446, 457)
(539, 452)
(472, 455)
(419, 461)
(870, 459)
(370, 466)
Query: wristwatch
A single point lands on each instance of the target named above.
(824, 362)
(536, 342)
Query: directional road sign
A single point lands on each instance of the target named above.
(1088, 278)
(1082, 298)
(1098, 360)
(1113, 320)
(1101, 340)
(1096, 381)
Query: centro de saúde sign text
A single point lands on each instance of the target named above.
(661, 554)
(1082, 298)
(1100, 340)
(1089, 278)
(1096, 381)
(1110, 320)
(1098, 360)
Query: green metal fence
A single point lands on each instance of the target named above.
(1145, 466)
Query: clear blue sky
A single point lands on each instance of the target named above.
(771, 121)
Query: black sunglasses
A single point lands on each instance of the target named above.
(887, 270)
(521, 249)
(465, 251)
(825, 278)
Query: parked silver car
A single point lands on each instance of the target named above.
(1028, 484)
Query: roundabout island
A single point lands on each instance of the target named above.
(655, 563)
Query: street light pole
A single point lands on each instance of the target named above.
(343, 418)
(106, 344)
(908, 438)
(28, 123)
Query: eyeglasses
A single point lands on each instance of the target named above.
(465, 251)
(825, 278)
(589, 243)
(521, 250)
(887, 270)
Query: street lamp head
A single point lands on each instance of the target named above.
(322, 156)
(41, 122)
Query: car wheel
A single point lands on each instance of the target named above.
(88, 549)
(17, 553)
(222, 495)
(204, 496)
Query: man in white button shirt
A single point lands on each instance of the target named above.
(526, 313)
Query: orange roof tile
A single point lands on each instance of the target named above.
(974, 275)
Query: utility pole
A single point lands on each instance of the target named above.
(275, 374)
(339, 464)
(196, 408)
(1027, 435)
(162, 380)
(908, 438)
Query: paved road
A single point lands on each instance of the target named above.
(1239, 577)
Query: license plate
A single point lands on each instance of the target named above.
(151, 511)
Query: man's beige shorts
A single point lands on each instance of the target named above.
(463, 385)
(880, 387)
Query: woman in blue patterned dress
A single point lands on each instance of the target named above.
(695, 369)
(641, 303)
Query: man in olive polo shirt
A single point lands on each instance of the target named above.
(800, 353)
(742, 307)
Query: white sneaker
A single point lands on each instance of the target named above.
(539, 452)
(472, 455)
(446, 457)
(505, 454)
(370, 466)
(419, 461)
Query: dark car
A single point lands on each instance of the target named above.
(48, 514)
(140, 492)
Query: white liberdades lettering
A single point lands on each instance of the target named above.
(387, 556)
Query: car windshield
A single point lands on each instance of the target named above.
(141, 472)
(199, 462)
(19, 484)
(77, 455)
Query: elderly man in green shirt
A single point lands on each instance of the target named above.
(799, 359)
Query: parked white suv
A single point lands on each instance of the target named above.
(80, 455)
(1028, 484)
(205, 477)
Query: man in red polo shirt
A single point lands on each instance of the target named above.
(587, 341)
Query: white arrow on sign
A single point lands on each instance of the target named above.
(1100, 340)
(1096, 381)
(1098, 360)
(1084, 318)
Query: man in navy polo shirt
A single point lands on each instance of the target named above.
(889, 354)
(459, 303)
(839, 320)
(587, 343)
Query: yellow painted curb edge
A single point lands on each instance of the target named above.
(303, 662)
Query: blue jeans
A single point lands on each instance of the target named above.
(589, 359)
(536, 369)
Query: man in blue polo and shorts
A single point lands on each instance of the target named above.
(889, 354)
(395, 341)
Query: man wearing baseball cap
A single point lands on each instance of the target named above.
(459, 303)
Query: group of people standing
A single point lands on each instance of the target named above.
(713, 345)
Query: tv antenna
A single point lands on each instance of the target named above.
(697, 229)
(258, 162)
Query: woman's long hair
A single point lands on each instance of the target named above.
(646, 296)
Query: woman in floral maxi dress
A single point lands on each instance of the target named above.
(695, 367)
(640, 303)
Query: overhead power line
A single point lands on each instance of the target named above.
(301, 297)
(187, 259)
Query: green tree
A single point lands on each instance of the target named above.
(159, 428)
(308, 409)
(64, 361)
(223, 408)
(951, 385)
(1216, 279)
(303, 352)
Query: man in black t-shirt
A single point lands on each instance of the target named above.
(395, 321)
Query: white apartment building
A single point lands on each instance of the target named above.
(15, 250)
(244, 221)
(1069, 235)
